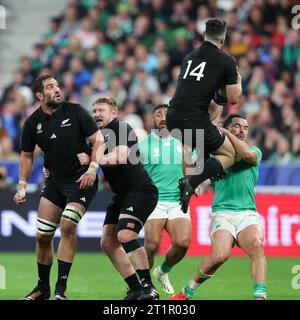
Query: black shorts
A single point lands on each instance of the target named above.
(213, 137)
(139, 203)
(63, 191)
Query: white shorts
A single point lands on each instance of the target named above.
(234, 222)
(168, 210)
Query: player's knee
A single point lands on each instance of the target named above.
(72, 215)
(126, 236)
(256, 246)
(107, 244)
(67, 228)
(44, 240)
(182, 244)
(219, 258)
(45, 230)
(151, 246)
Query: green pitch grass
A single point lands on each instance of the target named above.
(93, 277)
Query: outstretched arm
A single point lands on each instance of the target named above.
(242, 149)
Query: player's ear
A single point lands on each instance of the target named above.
(203, 34)
(40, 96)
(115, 112)
(222, 41)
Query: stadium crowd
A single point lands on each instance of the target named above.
(132, 50)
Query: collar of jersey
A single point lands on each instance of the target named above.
(155, 136)
(55, 114)
(111, 123)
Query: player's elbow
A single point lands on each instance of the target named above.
(250, 157)
(234, 98)
(234, 94)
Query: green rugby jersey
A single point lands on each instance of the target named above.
(163, 160)
(236, 191)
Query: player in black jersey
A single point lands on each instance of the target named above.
(204, 71)
(135, 198)
(60, 129)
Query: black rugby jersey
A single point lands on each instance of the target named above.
(203, 72)
(61, 136)
(124, 177)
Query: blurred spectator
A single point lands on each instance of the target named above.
(282, 155)
(7, 150)
(3, 178)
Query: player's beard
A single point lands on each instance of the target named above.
(53, 104)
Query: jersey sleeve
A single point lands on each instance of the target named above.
(231, 71)
(125, 135)
(86, 121)
(259, 153)
(27, 138)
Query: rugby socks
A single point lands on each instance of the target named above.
(260, 291)
(44, 275)
(63, 273)
(190, 288)
(164, 267)
(212, 168)
(144, 276)
(133, 282)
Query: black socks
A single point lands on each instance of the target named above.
(212, 168)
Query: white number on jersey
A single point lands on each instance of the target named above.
(194, 72)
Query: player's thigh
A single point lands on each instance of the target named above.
(49, 211)
(226, 154)
(222, 242)
(74, 194)
(250, 237)
(180, 231)
(153, 232)
(140, 203)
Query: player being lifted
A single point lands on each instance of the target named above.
(203, 72)
(235, 219)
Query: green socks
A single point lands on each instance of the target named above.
(164, 268)
(260, 291)
(190, 288)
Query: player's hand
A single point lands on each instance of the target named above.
(19, 198)
(225, 131)
(83, 158)
(86, 180)
(46, 173)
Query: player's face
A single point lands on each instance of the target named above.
(103, 114)
(51, 93)
(239, 128)
(159, 118)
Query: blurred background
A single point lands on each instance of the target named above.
(133, 50)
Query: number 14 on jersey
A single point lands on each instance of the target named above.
(196, 72)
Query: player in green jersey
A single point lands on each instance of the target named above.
(235, 219)
(163, 159)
